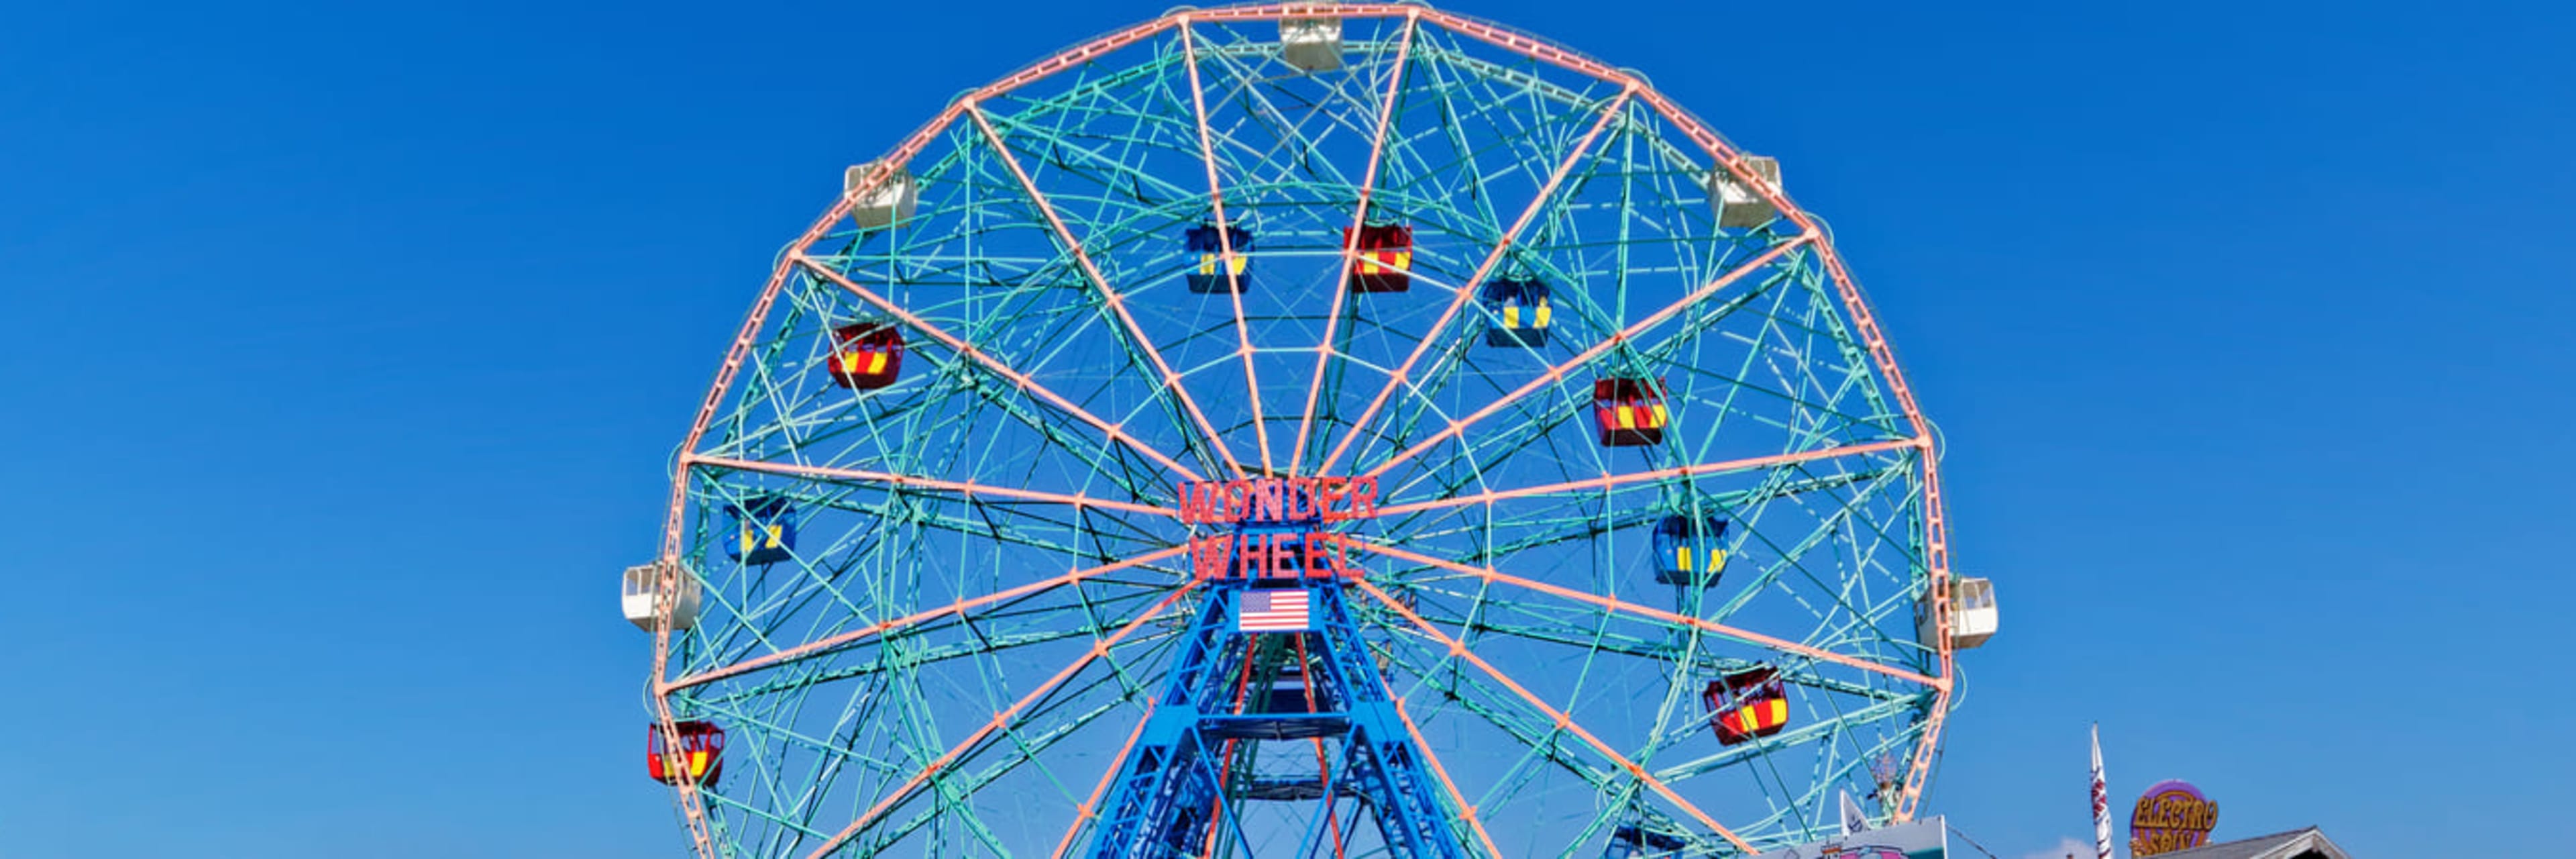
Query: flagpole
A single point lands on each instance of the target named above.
(2101, 801)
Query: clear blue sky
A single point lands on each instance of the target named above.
(344, 351)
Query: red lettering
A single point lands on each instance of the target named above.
(1273, 504)
(1208, 555)
(1271, 499)
(1309, 554)
(1255, 555)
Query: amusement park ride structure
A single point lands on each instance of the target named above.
(1304, 430)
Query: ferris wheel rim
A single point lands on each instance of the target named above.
(1725, 156)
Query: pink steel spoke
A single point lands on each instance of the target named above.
(962, 487)
(1225, 243)
(1783, 645)
(1563, 721)
(1606, 481)
(959, 607)
(1467, 291)
(1558, 372)
(1000, 720)
(1108, 294)
(1350, 242)
(977, 355)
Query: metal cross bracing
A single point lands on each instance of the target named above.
(1184, 787)
(987, 593)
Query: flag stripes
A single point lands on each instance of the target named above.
(1273, 611)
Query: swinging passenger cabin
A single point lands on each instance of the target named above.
(1218, 271)
(881, 206)
(1383, 260)
(641, 596)
(1746, 704)
(1521, 312)
(866, 355)
(1972, 614)
(1630, 412)
(1688, 551)
(765, 531)
(1740, 205)
(1311, 44)
(698, 759)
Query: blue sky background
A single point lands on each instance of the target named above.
(344, 349)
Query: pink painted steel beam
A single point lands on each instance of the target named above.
(1467, 291)
(1746, 636)
(1559, 371)
(1350, 240)
(980, 357)
(1225, 243)
(1563, 722)
(961, 487)
(1607, 481)
(1000, 721)
(1108, 294)
(1937, 526)
(880, 628)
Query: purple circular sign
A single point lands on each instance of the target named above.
(2172, 815)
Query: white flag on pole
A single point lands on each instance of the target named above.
(1854, 819)
(2101, 801)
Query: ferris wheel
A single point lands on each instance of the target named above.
(1305, 430)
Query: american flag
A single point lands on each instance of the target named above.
(1272, 611)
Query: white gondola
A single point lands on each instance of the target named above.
(1312, 44)
(886, 203)
(1972, 614)
(642, 591)
(1738, 204)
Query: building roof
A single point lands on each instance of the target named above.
(2295, 844)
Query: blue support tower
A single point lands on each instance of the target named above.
(1231, 690)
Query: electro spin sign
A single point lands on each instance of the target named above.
(2171, 816)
